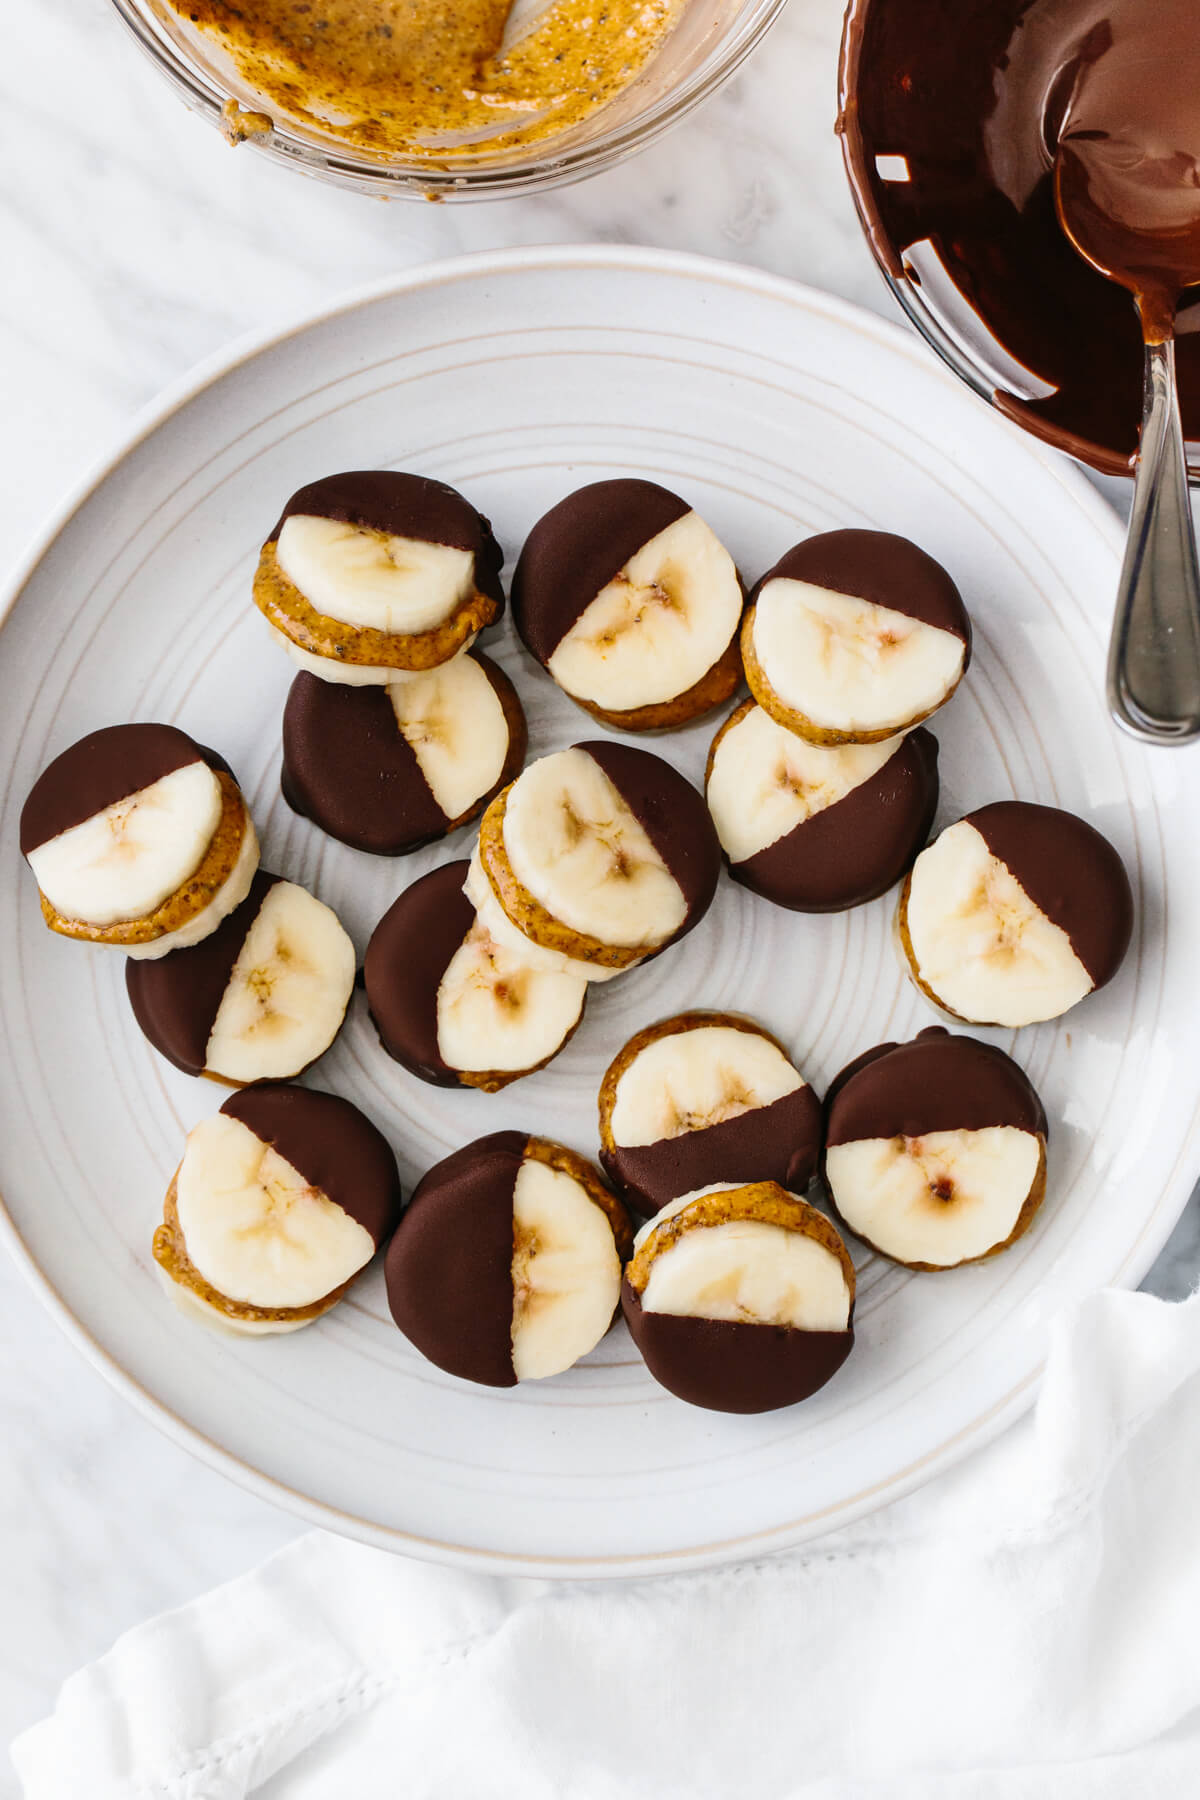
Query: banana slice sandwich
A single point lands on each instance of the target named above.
(373, 571)
(935, 1150)
(1014, 914)
(704, 1097)
(260, 999)
(281, 1200)
(813, 828)
(854, 637)
(138, 837)
(632, 603)
(457, 1004)
(507, 1264)
(740, 1297)
(596, 857)
(390, 768)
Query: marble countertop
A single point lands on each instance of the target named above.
(136, 243)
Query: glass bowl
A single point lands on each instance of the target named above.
(941, 312)
(710, 41)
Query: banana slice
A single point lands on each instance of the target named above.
(387, 769)
(1014, 915)
(853, 637)
(601, 853)
(373, 579)
(451, 1003)
(632, 603)
(378, 571)
(139, 838)
(705, 1097)
(936, 1150)
(260, 999)
(740, 1297)
(815, 828)
(507, 1266)
(280, 1200)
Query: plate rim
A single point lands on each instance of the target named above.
(150, 418)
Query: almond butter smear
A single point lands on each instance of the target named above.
(431, 77)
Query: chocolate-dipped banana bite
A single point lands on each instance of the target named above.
(281, 1199)
(935, 1150)
(374, 571)
(818, 828)
(701, 1098)
(387, 769)
(632, 603)
(1015, 914)
(260, 999)
(454, 1005)
(140, 838)
(507, 1264)
(740, 1298)
(853, 637)
(601, 854)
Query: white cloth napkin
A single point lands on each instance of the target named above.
(1027, 1628)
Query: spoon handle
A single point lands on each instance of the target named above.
(1154, 657)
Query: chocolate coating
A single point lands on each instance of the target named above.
(880, 567)
(349, 768)
(858, 848)
(449, 1267)
(1070, 871)
(102, 768)
(175, 998)
(576, 549)
(409, 952)
(779, 1142)
(938, 1082)
(331, 1144)
(674, 817)
(726, 1365)
(411, 506)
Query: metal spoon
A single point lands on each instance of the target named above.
(1135, 216)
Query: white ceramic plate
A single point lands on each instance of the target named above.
(778, 412)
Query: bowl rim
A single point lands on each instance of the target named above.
(543, 168)
(907, 295)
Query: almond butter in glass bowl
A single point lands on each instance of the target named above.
(414, 98)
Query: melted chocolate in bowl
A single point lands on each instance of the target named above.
(951, 116)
